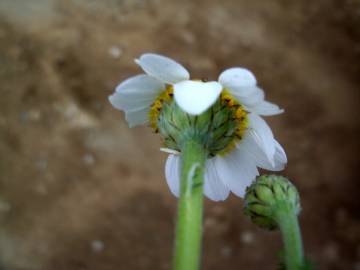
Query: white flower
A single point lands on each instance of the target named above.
(141, 97)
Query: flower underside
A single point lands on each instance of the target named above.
(219, 129)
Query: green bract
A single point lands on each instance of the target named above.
(216, 129)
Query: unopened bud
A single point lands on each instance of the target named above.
(269, 195)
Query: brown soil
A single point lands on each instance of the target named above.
(80, 190)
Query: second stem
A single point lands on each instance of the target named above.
(291, 234)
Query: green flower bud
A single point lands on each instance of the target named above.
(267, 197)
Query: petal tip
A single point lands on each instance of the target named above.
(237, 77)
(162, 68)
(137, 61)
(112, 100)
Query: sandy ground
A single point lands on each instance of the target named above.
(79, 190)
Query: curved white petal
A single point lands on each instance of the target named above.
(169, 151)
(265, 108)
(237, 78)
(130, 102)
(143, 85)
(162, 68)
(236, 170)
(134, 96)
(280, 155)
(172, 173)
(138, 117)
(262, 135)
(195, 97)
(251, 99)
(249, 145)
(214, 188)
(242, 85)
(254, 98)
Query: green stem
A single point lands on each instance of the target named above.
(289, 226)
(190, 211)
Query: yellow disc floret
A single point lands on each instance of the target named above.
(156, 107)
(239, 116)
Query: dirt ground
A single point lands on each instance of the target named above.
(79, 190)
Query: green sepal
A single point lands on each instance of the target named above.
(215, 129)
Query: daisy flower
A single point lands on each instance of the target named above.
(229, 111)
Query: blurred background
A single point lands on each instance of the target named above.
(79, 190)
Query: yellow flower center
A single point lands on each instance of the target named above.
(155, 109)
(239, 116)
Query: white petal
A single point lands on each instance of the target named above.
(214, 188)
(162, 68)
(134, 96)
(265, 108)
(196, 97)
(237, 77)
(236, 170)
(130, 102)
(251, 99)
(139, 117)
(262, 135)
(242, 85)
(172, 173)
(280, 155)
(249, 145)
(169, 151)
(143, 85)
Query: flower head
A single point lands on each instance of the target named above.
(224, 114)
(268, 195)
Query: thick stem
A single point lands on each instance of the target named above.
(289, 226)
(190, 211)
